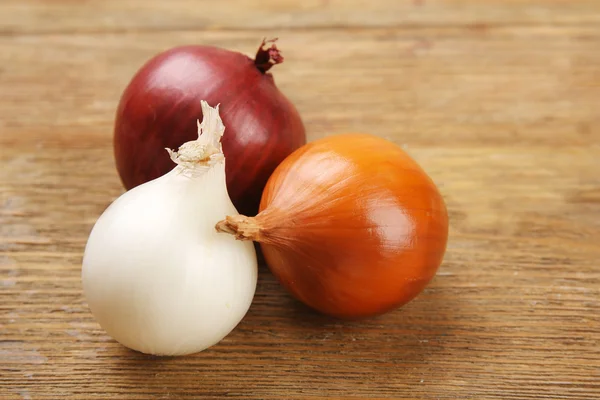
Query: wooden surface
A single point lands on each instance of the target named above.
(498, 100)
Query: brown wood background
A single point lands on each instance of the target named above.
(499, 101)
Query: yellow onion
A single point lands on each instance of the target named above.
(350, 225)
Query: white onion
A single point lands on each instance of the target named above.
(156, 274)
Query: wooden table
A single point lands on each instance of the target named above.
(498, 100)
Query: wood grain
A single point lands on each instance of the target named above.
(497, 100)
(42, 16)
(428, 86)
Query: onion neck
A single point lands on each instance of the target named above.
(240, 226)
(206, 150)
(267, 55)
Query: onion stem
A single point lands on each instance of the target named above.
(242, 227)
(206, 150)
(267, 56)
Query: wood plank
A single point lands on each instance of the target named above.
(513, 313)
(427, 86)
(42, 16)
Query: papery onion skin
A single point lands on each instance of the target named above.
(350, 225)
(160, 106)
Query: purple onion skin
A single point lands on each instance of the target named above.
(161, 106)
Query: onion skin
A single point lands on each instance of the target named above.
(160, 107)
(155, 274)
(350, 225)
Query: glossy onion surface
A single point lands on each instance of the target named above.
(352, 226)
(161, 105)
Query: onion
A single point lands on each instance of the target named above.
(160, 106)
(156, 275)
(350, 225)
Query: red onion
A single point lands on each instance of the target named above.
(161, 105)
